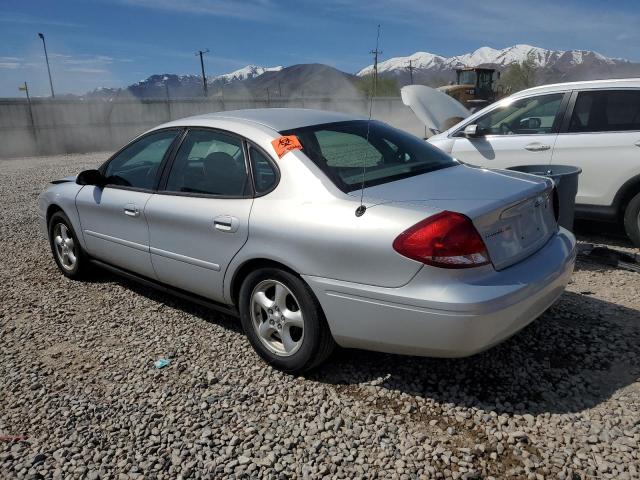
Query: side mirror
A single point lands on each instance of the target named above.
(91, 177)
(471, 131)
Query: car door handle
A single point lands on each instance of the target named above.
(226, 223)
(637, 144)
(537, 147)
(131, 210)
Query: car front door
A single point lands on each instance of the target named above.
(199, 218)
(112, 217)
(517, 132)
(602, 137)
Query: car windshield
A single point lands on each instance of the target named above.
(342, 150)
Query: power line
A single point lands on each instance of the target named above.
(204, 78)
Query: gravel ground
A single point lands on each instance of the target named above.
(559, 400)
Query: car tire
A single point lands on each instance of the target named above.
(632, 220)
(65, 247)
(284, 321)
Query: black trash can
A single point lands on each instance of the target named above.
(566, 180)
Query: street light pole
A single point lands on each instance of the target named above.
(46, 56)
(204, 78)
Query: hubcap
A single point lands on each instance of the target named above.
(277, 318)
(65, 246)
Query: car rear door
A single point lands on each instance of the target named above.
(199, 218)
(601, 135)
(112, 217)
(518, 132)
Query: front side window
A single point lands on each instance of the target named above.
(606, 111)
(210, 163)
(345, 151)
(527, 116)
(138, 164)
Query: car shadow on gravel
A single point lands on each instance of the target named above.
(575, 356)
(609, 233)
(578, 354)
(167, 300)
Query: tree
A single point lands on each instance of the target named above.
(519, 76)
(387, 87)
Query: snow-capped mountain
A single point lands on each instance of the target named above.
(429, 69)
(182, 86)
(490, 56)
(250, 71)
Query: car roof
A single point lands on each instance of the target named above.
(589, 84)
(278, 119)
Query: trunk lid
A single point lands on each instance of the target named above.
(513, 212)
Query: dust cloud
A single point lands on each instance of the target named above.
(75, 125)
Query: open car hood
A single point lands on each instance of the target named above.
(437, 110)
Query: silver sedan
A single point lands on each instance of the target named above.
(317, 229)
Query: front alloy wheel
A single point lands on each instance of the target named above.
(67, 251)
(65, 247)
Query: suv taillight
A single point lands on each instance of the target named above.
(447, 239)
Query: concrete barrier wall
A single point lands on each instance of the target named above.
(71, 126)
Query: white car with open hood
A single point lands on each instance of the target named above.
(592, 125)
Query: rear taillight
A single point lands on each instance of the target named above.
(447, 239)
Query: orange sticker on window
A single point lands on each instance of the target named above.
(285, 144)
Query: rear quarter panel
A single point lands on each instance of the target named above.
(311, 227)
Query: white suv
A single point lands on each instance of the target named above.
(593, 125)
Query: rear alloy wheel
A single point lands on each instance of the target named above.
(632, 220)
(276, 318)
(65, 247)
(283, 320)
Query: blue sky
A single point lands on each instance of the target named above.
(115, 43)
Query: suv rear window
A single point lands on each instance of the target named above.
(606, 111)
(347, 151)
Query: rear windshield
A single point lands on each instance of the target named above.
(343, 149)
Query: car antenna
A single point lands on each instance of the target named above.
(361, 209)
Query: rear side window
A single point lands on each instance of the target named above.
(347, 151)
(209, 163)
(606, 111)
(264, 173)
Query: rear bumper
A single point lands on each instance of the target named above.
(452, 313)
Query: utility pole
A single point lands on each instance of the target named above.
(166, 91)
(411, 68)
(204, 78)
(375, 54)
(46, 57)
(25, 88)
